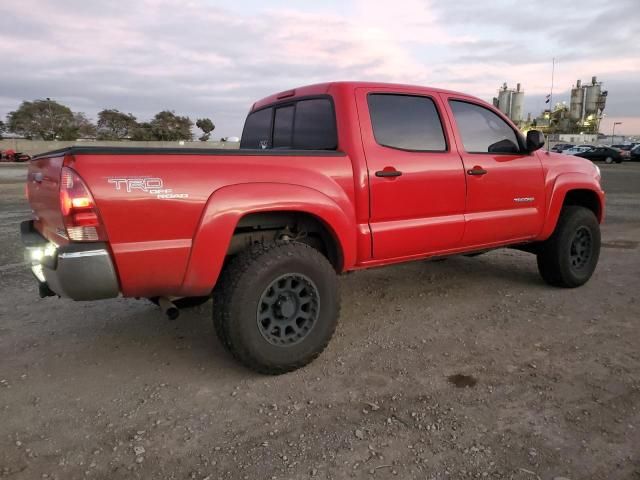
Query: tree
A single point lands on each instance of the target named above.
(42, 119)
(3, 128)
(207, 126)
(166, 125)
(115, 125)
(81, 128)
(143, 132)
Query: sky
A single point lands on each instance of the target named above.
(206, 58)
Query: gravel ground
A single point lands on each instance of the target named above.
(466, 368)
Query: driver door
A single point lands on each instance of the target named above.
(505, 184)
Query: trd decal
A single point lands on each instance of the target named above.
(524, 199)
(151, 185)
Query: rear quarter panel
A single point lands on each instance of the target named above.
(152, 234)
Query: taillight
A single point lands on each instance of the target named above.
(79, 211)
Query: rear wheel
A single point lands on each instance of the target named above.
(276, 306)
(569, 257)
(608, 160)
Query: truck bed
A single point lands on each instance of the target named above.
(152, 201)
(102, 150)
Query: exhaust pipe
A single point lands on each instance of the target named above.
(168, 308)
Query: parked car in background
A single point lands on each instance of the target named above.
(602, 154)
(625, 147)
(634, 154)
(560, 147)
(576, 150)
(626, 155)
(11, 156)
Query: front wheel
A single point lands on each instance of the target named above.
(569, 257)
(608, 160)
(276, 306)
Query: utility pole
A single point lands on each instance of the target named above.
(613, 131)
(553, 71)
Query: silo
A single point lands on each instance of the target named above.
(602, 101)
(577, 99)
(504, 100)
(517, 105)
(592, 97)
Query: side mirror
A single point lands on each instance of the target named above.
(535, 140)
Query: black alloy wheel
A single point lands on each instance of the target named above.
(581, 248)
(288, 309)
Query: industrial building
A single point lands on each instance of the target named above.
(586, 105)
(511, 103)
(581, 116)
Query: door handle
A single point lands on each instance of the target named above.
(388, 173)
(477, 171)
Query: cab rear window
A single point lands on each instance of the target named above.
(257, 130)
(307, 124)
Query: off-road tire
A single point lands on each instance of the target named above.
(240, 291)
(555, 254)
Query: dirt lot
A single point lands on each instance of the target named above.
(113, 390)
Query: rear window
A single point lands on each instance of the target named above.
(304, 125)
(314, 126)
(257, 130)
(283, 127)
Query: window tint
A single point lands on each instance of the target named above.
(257, 130)
(406, 122)
(305, 125)
(314, 125)
(283, 127)
(482, 130)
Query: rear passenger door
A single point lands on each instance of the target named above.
(416, 180)
(505, 184)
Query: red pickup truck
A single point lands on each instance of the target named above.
(328, 179)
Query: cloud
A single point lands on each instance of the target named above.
(204, 59)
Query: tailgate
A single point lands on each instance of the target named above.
(43, 191)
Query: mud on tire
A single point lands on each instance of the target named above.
(276, 306)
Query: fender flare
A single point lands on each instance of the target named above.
(563, 184)
(226, 206)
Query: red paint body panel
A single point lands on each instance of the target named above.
(176, 244)
(44, 197)
(152, 238)
(227, 205)
(425, 206)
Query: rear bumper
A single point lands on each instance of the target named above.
(82, 271)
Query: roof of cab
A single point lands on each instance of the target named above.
(324, 88)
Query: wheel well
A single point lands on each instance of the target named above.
(287, 226)
(584, 198)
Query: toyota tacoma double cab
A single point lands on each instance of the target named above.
(329, 178)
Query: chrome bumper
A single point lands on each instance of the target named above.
(82, 271)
